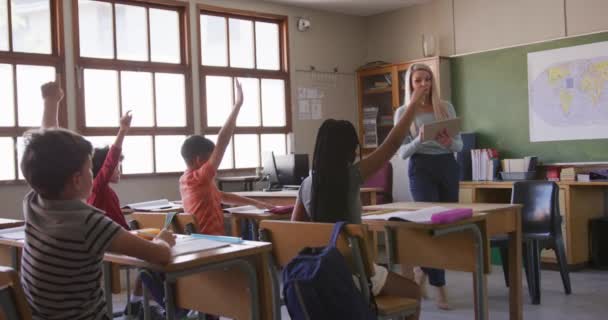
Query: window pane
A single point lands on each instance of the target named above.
(168, 155)
(20, 149)
(29, 99)
(3, 25)
(274, 143)
(227, 159)
(241, 43)
(7, 158)
(95, 28)
(31, 22)
(273, 103)
(267, 45)
(164, 36)
(246, 150)
(101, 98)
(250, 111)
(101, 141)
(170, 100)
(7, 100)
(137, 96)
(219, 103)
(131, 33)
(214, 50)
(137, 151)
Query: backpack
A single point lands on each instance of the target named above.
(318, 284)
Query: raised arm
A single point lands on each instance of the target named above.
(52, 95)
(223, 138)
(410, 144)
(369, 165)
(112, 159)
(125, 125)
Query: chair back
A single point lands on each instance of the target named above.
(289, 238)
(13, 305)
(383, 178)
(182, 223)
(540, 211)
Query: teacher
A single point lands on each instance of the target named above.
(433, 170)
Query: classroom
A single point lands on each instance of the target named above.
(474, 133)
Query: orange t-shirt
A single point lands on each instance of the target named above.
(201, 198)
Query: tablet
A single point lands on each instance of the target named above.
(433, 128)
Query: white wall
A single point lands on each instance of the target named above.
(333, 41)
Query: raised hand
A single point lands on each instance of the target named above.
(238, 101)
(125, 121)
(52, 91)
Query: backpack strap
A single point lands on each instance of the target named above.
(336, 233)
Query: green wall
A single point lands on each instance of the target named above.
(490, 94)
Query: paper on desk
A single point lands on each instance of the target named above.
(162, 204)
(420, 216)
(17, 233)
(246, 209)
(187, 244)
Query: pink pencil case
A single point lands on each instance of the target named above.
(451, 215)
(281, 210)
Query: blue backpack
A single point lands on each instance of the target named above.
(318, 284)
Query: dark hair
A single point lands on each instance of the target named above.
(196, 145)
(335, 150)
(51, 157)
(99, 157)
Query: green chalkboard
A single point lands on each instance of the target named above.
(490, 94)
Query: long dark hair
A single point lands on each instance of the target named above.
(335, 150)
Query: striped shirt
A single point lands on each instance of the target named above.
(61, 265)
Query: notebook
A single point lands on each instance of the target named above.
(156, 205)
(187, 244)
(17, 233)
(426, 215)
(432, 129)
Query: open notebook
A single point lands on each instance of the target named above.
(186, 244)
(156, 205)
(426, 215)
(17, 233)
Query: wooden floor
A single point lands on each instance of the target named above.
(589, 299)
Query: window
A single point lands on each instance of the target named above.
(251, 48)
(133, 55)
(30, 55)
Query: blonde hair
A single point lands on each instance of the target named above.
(439, 107)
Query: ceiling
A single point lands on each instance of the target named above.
(351, 7)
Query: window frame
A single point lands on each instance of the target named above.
(118, 65)
(54, 59)
(282, 74)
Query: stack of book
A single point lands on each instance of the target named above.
(484, 164)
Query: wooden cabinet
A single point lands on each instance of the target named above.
(579, 202)
(383, 88)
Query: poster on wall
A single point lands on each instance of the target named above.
(568, 93)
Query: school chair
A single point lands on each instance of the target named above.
(383, 178)
(289, 238)
(541, 225)
(182, 223)
(13, 305)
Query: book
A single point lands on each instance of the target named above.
(155, 205)
(427, 215)
(17, 233)
(432, 129)
(188, 244)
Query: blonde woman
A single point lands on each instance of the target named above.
(433, 171)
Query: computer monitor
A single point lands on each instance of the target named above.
(285, 170)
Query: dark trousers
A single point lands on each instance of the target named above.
(434, 178)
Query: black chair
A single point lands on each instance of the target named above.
(541, 229)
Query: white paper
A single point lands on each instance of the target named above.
(17, 233)
(301, 93)
(419, 216)
(316, 109)
(185, 245)
(162, 204)
(304, 109)
(568, 93)
(246, 209)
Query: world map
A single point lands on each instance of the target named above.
(572, 93)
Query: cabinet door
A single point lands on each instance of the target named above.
(376, 101)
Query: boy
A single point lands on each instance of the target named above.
(197, 185)
(65, 239)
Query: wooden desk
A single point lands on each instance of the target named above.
(232, 281)
(247, 181)
(288, 197)
(254, 220)
(439, 246)
(6, 255)
(579, 202)
(10, 223)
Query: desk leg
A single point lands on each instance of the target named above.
(107, 281)
(15, 258)
(169, 300)
(146, 303)
(515, 264)
(480, 285)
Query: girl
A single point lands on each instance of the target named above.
(331, 192)
(433, 171)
